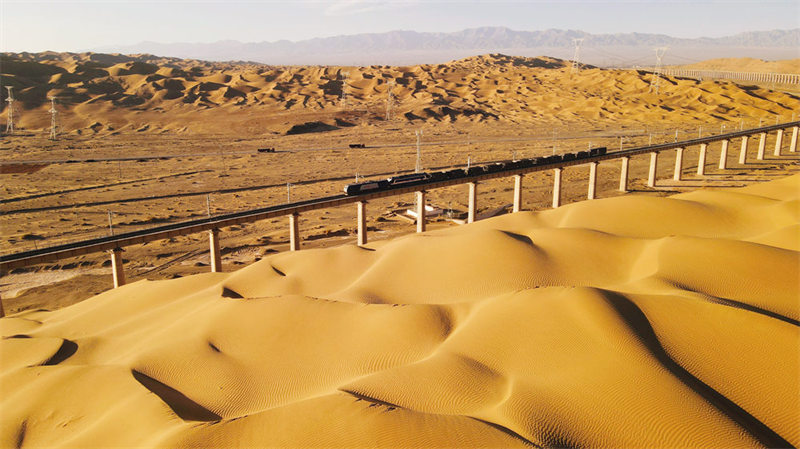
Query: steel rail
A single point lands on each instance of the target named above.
(25, 258)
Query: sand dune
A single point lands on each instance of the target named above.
(123, 92)
(633, 321)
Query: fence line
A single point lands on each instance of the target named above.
(758, 77)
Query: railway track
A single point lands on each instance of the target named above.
(8, 262)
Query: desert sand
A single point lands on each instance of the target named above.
(110, 94)
(633, 321)
(212, 117)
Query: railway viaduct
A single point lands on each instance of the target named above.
(213, 225)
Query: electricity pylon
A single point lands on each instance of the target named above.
(53, 119)
(576, 58)
(344, 89)
(389, 100)
(418, 168)
(660, 51)
(10, 100)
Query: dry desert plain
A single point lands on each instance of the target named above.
(663, 317)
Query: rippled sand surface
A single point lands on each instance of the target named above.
(633, 321)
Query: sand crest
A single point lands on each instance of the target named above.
(633, 321)
(112, 94)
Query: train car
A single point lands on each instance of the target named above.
(455, 173)
(568, 157)
(357, 145)
(365, 187)
(475, 170)
(599, 151)
(527, 163)
(582, 154)
(496, 167)
(408, 179)
(439, 176)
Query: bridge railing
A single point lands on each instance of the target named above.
(757, 77)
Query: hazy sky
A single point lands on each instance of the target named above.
(31, 25)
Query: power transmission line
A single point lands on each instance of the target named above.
(10, 121)
(389, 100)
(577, 56)
(53, 119)
(419, 153)
(660, 51)
(344, 89)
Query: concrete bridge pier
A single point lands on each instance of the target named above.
(421, 211)
(294, 233)
(723, 155)
(793, 143)
(778, 143)
(592, 180)
(517, 193)
(473, 201)
(117, 270)
(623, 175)
(556, 188)
(362, 222)
(215, 256)
(762, 145)
(701, 162)
(678, 165)
(651, 178)
(743, 150)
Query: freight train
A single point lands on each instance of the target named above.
(456, 173)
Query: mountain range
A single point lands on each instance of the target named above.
(411, 47)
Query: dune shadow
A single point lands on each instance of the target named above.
(741, 305)
(228, 293)
(520, 237)
(558, 442)
(638, 322)
(185, 408)
(64, 352)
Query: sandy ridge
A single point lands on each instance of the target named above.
(633, 321)
(109, 94)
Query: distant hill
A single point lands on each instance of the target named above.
(109, 94)
(411, 47)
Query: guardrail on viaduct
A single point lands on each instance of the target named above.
(757, 77)
(114, 244)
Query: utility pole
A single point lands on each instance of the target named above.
(660, 51)
(10, 100)
(344, 89)
(53, 119)
(419, 153)
(576, 58)
(389, 100)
